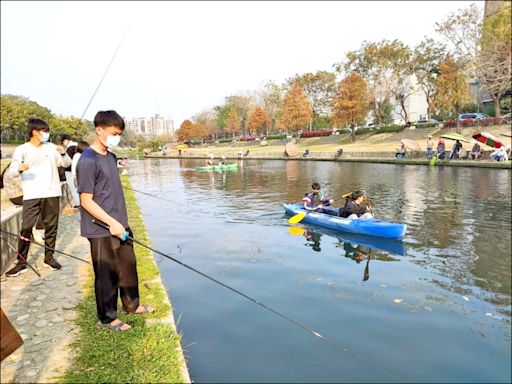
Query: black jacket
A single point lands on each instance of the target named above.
(351, 207)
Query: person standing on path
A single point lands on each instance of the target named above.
(102, 199)
(37, 162)
(71, 147)
(430, 145)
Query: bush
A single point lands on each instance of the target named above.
(277, 137)
(426, 125)
(324, 132)
(362, 131)
(248, 138)
(225, 141)
(473, 122)
(391, 128)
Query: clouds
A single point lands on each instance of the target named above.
(185, 56)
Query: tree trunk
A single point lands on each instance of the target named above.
(458, 120)
(353, 129)
(496, 99)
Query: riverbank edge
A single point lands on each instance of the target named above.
(449, 163)
(149, 352)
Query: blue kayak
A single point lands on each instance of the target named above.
(370, 227)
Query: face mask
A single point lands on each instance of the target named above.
(44, 137)
(112, 141)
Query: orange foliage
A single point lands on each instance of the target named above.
(296, 112)
(258, 121)
(352, 101)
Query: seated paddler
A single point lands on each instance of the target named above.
(356, 207)
(316, 200)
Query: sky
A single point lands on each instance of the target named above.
(179, 58)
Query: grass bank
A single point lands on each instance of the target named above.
(147, 353)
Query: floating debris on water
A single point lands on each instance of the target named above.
(397, 301)
(465, 298)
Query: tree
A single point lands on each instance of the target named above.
(319, 88)
(452, 89)
(184, 133)
(259, 122)
(197, 131)
(242, 104)
(14, 113)
(384, 66)
(209, 120)
(233, 125)
(296, 112)
(495, 59)
(351, 102)
(427, 58)
(272, 99)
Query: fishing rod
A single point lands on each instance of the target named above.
(23, 258)
(149, 194)
(42, 245)
(103, 77)
(126, 235)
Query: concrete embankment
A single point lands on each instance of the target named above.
(355, 157)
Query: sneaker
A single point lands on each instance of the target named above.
(18, 269)
(52, 263)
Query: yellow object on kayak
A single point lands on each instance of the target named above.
(295, 219)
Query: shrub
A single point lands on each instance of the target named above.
(248, 138)
(391, 128)
(277, 137)
(324, 132)
(426, 125)
(364, 130)
(225, 141)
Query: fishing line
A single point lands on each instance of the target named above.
(42, 245)
(149, 194)
(289, 319)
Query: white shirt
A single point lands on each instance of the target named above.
(74, 162)
(41, 179)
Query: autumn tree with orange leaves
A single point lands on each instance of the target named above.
(452, 89)
(351, 103)
(259, 122)
(233, 125)
(185, 130)
(296, 112)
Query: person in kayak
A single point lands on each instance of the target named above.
(222, 160)
(316, 200)
(354, 207)
(209, 161)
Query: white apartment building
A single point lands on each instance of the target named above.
(152, 126)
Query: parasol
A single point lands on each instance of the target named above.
(291, 150)
(411, 144)
(487, 139)
(455, 136)
(181, 146)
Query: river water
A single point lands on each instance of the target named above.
(433, 308)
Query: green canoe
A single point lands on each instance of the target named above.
(218, 167)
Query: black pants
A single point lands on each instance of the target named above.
(47, 210)
(115, 273)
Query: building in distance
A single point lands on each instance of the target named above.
(150, 126)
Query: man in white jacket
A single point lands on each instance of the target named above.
(37, 161)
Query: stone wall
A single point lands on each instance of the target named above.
(11, 222)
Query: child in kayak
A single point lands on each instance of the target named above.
(316, 200)
(353, 208)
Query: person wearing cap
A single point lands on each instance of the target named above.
(430, 145)
(209, 161)
(354, 207)
(475, 151)
(37, 162)
(222, 160)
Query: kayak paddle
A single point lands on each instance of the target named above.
(367, 268)
(298, 217)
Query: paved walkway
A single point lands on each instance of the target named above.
(43, 309)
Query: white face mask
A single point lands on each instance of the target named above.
(45, 136)
(112, 141)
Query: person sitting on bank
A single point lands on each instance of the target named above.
(246, 153)
(475, 152)
(430, 145)
(441, 150)
(339, 152)
(400, 152)
(306, 153)
(454, 154)
(499, 154)
(209, 161)
(354, 207)
(316, 200)
(222, 160)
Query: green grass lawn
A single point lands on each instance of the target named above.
(146, 353)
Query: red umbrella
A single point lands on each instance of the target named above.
(487, 139)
